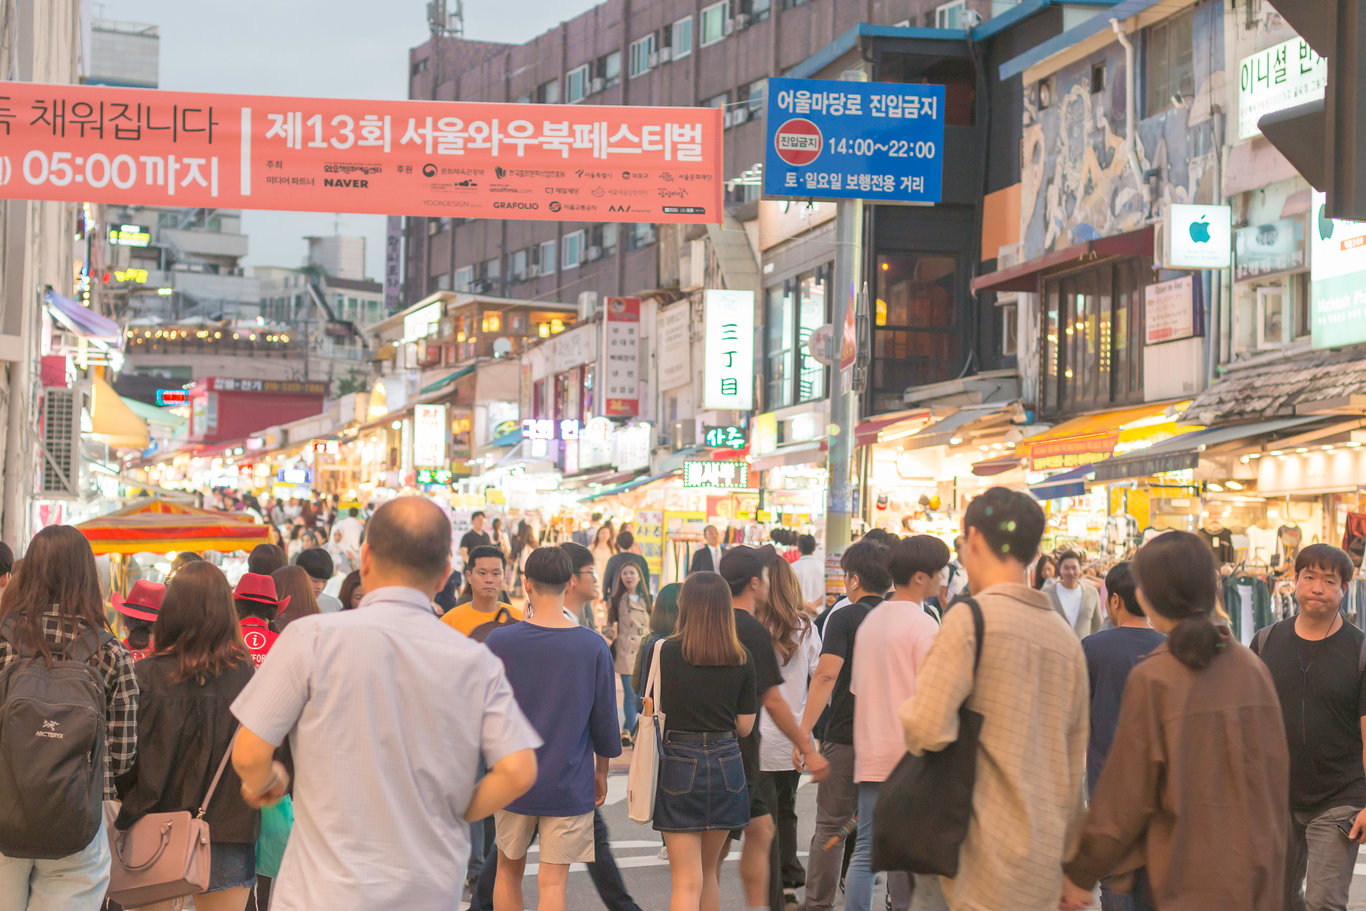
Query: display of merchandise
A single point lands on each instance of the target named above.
(1288, 538)
(1220, 540)
(1261, 544)
(1120, 536)
(1247, 601)
(1354, 536)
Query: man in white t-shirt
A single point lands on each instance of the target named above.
(1076, 603)
(890, 647)
(810, 571)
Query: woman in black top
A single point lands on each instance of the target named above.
(185, 727)
(707, 696)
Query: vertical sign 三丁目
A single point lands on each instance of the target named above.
(728, 358)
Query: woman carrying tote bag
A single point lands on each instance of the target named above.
(185, 728)
(707, 697)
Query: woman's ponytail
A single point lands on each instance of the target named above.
(1194, 641)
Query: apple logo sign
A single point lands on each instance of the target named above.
(1325, 223)
(1199, 230)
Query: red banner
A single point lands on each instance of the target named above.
(79, 143)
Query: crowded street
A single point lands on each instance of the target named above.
(683, 455)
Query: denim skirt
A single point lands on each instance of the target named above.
(701, 784)
(231, 864)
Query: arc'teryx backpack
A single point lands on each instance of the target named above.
(52, 748)
(501, 617)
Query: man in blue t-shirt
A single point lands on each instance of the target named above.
(1110, 655)
(548, 658)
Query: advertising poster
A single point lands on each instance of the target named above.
(621, 358)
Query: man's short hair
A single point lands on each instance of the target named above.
(316, 562)
(1011, 522)
(1325, 558)
(625, 541)
(6, 559)
(916, 554)
(1068, 555)
(1120, 581)
(548, 570)
(488, 550)
(477, 514)
(806, 544)
(579, 556)
(412, 534)
(741, 564)
(264, 559)
(867, 559)
(353, 512)
(878, 535)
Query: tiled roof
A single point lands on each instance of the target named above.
(1275, 389)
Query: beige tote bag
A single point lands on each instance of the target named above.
(643, 778)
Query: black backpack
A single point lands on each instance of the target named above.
(501, 617)
(52, 748)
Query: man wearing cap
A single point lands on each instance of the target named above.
(745, 570)
(257, 604)
(139, 610)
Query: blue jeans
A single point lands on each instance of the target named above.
(76, 882)
(629, 705)
(858, 884)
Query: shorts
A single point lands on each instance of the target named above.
(231, 864)
(701, 784)
(564, 839)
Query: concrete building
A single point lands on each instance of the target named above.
(126, 54)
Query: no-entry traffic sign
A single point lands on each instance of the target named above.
(798, 142)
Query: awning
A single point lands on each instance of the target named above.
(81, 320)
(993, 467)
(1094, 437)
(1025, 276)
(871, 430)
(629, 485)
(443, 383)
(511, 438)
(800, 454)
(113, 422)
(1067, 484)
(1183, 452)
(946, 430)
(154, 416)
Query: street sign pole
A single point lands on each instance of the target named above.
(843, 408)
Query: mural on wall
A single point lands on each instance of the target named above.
(1077, 182)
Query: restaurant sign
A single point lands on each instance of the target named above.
(1072, 452)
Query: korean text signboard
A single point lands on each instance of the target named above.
(393, 264)
(1072, 452)
(1337, 314)
(879, 141)
(728, 355)
(726, 475)
(621, 358)
(1277, 78)
(429, 436)
(1270, 249)
(78, 143)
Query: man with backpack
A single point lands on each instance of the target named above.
(1316, 659)
(485, 611)
(68, 714)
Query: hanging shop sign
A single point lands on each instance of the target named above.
(434, 476)
(1338, 279)
(1169, 310)
(675, 345)
(854, 140)
(1274, 248)
(725, 475)
(728, 355)
(730, 437)
(393, 264)
(631, 447)
(429, 436)
(1199, 237)
(81, 143)
(287, 387)
(127, 235)
(168, 398)
(1282, 76)
(621, 357)
(1072, 452)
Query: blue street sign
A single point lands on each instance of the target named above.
(878, 141)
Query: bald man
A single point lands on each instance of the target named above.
(345, 688)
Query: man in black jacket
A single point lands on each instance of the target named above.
(707, 558)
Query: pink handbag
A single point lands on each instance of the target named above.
(162, 856)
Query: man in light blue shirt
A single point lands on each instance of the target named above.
(388, 712)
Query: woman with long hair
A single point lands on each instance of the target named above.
(293, 583)
(628, 621)
(798, 645)
(351, 591)
(185, 728)
(602, 548)
(1045, 570)
(708, 699)
(52, 608)
(663, 621)
(522, 546)
(1194, 796)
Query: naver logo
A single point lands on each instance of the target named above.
(49, 731)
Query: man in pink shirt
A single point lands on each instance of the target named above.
(890, 648)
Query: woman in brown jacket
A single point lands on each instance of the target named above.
(1195, 791)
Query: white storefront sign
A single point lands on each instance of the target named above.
(729, 352)
(620, 376)
(1277, 78)
(675, 345)
(1199, 237)
(1169, 310)
(631, 448)
(429, 436)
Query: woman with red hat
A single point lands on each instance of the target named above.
(257, 604)
(139, 611)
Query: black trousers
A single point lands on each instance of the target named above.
(785, 823)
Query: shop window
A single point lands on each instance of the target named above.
(778, 347)
(1093, 331)
(1169, 63)
(680, 38)
(915, 339)
(715, 20)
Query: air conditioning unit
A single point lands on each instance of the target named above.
(652, 61)
(665, 54)
(533, 270)
(481, 286)
(739, 115)
(594, 253)
(60, 468)
(695, 275)
(588, 305)
(1006, 257)
(598, 84)
(730, 25)
(741, 21)
(518, 276)
(684, 434)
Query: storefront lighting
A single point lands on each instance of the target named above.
(396, 425)
(955, 441)
(1354, 445)
(1233, 485)
(1278, 452)
(1302, 449)
(1214, 488)
(165, 292)
(1245, 459)
(1328, 447)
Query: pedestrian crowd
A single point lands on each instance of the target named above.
(403, 743)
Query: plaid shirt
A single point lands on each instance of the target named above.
(120, 694)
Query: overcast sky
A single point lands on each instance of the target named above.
(332, 49)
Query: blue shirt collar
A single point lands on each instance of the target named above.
(397, 596)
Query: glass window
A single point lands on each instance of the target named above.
(715, 18)
(1169, 63)
(548, 92)
(681, 38)
(517, 264)
(608, 69)
(754, 96)
(576, 84)
(608, 240)
(915, 339)
(812, 299)
(1091, 319)
(547, 258)
(642, 49)
(572, 250)
(949, 15)
(493, 268)
(463, 276)
(779, 355)
(642, 235)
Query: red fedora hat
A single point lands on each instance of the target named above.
(142, 603)
(259, 587)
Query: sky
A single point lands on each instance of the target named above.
(312, 48)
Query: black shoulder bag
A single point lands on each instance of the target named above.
(923, 808)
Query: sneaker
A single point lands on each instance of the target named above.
(790, 896)
(663, 852)
(626, 741)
